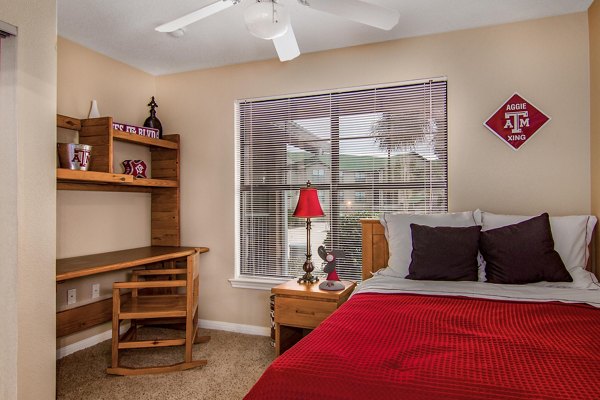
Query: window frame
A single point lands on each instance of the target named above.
(336, 187)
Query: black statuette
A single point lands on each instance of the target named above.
(152, 121)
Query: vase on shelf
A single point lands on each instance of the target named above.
(94, 113)
(152, 121)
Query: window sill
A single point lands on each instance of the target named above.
(256, 283)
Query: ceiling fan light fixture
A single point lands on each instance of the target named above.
(267, 19)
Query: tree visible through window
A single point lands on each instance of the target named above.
(366, 151)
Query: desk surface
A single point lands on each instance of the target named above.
(76, 267)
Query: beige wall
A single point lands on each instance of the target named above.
(27, 353)
(8, 215)
(95, 222)
(594, 26)
(546, 61)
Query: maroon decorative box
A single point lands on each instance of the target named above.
(136, 168)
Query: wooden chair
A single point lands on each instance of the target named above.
(154, 309)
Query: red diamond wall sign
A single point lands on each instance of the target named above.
(516, 121)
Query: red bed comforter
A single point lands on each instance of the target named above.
(402, 346)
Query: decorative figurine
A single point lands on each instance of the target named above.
(333, 281)
(152, 121)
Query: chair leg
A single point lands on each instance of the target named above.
(201, 339)
(115, 327)
(190, 334)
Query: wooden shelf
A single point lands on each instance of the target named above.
(154, 182)
(63, 174)
(101, 187)
(132, 138)
(165, 223)
(99, 133)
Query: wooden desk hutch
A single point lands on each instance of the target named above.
(165, 211)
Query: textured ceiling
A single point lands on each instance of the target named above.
(124, 29)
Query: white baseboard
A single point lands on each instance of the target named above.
(84, 344)
(203, 323)
(238, 328)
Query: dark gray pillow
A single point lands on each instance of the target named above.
(522, 253)
(444, 253)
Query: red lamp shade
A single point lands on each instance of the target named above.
(308, 204)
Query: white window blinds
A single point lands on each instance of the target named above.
(365, 150)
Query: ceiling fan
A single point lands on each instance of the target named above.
(268, 19)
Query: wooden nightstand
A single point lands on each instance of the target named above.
(299, 308)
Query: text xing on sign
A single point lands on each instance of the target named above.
(516, 121)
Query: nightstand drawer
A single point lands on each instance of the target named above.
(302, 313)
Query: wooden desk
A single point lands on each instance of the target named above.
(84, 317)
(76, 267)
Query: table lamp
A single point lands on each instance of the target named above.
(308, 207)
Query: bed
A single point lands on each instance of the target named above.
(399, 338)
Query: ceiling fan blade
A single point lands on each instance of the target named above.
(197, 15)
(287, 46)
(358, 11)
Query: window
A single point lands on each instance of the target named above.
(360, 177)
(318, 176)
(366, 151)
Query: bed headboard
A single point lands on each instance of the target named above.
(374, 247)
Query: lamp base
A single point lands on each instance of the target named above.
(308, 268)
(308, 278)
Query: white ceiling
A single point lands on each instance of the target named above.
(124, 29)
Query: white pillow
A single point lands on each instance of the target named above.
(582, 279)
(397, 232)
(572, 234)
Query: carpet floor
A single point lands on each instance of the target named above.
(235, 362)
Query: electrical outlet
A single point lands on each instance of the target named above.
(71, 296)
(95, 290)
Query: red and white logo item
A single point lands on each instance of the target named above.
(516, 121)
(81, 156)
(136, 168)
